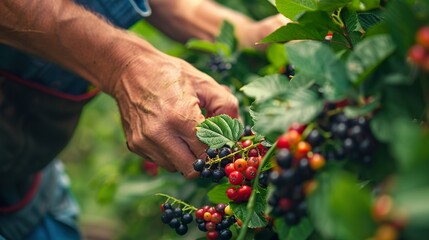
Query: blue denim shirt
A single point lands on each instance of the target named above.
(122, 13)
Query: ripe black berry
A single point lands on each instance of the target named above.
(247, 131)
(225, 151)
(178, 212)
(314, 138)
(225, 234)
(202, 226)
(199, 165)
(218, 174)
(174, 223)
(284, 158)
(211, 152)
(206, 173)
(182, 229)
(187, 218)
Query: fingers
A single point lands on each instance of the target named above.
(217, 100)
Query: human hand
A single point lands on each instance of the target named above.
(159, 98)
(250, 34)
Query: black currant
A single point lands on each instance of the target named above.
(247, 130)
(166, 206)
(178, 212)
(225, 151)
(225, 234)
(169, 214)
(314, 138)
(187, 218)
(174, 223)
(182, 229)
(199, 165)
(211, 152)
(284, 158)
(206, 173)
(202, 226)
(217, 175)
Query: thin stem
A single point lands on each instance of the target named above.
(251, 204)
(218, 159)
(174, 200)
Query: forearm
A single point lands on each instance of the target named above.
(202, 19)
(63, 32)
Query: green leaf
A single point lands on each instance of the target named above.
(293, 31)
(276, 55)
(317, 61)
(364, 5)
(293, 8)
(305, 29)
(299, 232)
(402, 23)
(219, 131)
(367, 56)
(209, 47)
(227, 37)
(272, 118)
(368, 19)
(257, 218)
(353, 112)
(266, 87)
(202, 45)
(335, 217)
(217, 193)
(331, 5)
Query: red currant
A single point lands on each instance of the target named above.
(253, 152)
(199, 214)
(207, 216)
(216, 218)
(289, 139)
(317, 161)
(302, 149)
(417, 54)
(285, 204)
(212, 235)
(212, 210)
(297, 127)
(236, 178)
(232, 193)
(246, 143)
(423, 36)
(250, 173)
(229, 168)
(253, 162)
(244, 193)
(210, 226)
(240, 165)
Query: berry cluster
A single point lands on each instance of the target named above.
(391, 220)
(239, 164)
(215, 221)
(218, 64)
(292, 175)
(176, 218)
(419, 53)
(352, 138)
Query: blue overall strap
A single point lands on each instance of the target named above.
(141, 7)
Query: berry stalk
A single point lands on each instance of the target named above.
(251, 204)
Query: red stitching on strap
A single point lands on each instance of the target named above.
(74, 98)
(27, 198)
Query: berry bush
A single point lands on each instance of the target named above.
(336, 147)
(332, 142)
